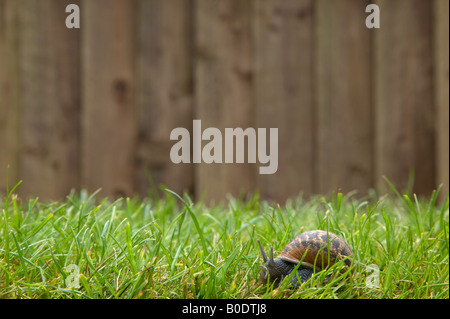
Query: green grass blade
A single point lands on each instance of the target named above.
(194, 218)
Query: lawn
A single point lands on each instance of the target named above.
(86, 247)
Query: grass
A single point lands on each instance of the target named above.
(172, 248)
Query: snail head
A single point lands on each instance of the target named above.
(272, 270)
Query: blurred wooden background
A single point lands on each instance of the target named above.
(94, 107)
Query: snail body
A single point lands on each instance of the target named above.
(316, 250)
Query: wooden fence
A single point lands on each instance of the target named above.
(94, 107)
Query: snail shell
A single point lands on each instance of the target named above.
(316, 247)
(316, 250)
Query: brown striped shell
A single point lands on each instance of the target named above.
(322, 249)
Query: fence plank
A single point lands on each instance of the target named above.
(109, 114)
(343, 95)
(223, 76)
(284, 92)
(9, 95)
(50, 108)
(441, 56)
(164, 90)
(403, 99)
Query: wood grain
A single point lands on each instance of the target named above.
(94, 107)
(284, 99)
(9, 94)
(404, 109)
(441, 80)
(109, 106)
(223, 91)
(164, 91)
(50, 100)
(344, 98)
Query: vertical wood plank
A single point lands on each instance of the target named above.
(223, 76)
(441, 77)
(109, 114)
(343, 95)
(50, 104)
(164, 91)
(9, 95)
(284, 57)
(403, 99)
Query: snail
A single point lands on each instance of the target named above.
(316, 250)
